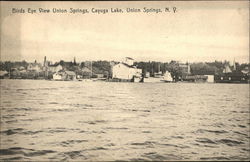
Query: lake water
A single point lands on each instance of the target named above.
(49, 120)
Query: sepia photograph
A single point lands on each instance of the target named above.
(124, 81)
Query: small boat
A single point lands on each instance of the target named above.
(167, 77)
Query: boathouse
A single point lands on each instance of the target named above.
(125, 70)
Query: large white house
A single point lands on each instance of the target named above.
(126, 70)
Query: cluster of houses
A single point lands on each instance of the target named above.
(47, 70)
(124, 71)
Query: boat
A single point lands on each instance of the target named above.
(167, 77)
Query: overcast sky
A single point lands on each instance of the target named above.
(199, 31)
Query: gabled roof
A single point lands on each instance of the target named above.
(126, 65)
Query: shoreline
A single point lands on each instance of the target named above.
(101, 80)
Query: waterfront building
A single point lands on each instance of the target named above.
(125, 70)
(64, 75)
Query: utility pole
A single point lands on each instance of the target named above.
(91, 69)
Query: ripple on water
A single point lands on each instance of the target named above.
(177, 137)
(240, 133)
(56, 130)
(11, 121)
(205, 140)
(155, 156)
(69, 155)
(69, 143)
(147, 144)
(177, 146)
(215, 158)
(24, 152)
(21, 109)
(12, 131)
(94, 122)
(230, 142)
(27, 132)
(211, 131)
(62, 110)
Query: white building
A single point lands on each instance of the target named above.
(64, 75)
(124, 71)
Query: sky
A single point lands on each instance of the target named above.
(198, 32)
